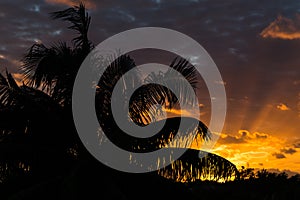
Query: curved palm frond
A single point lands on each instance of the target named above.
(143, 100)
(180, 71)
(191, 130)
(42, 66)
(199, 165)
(21, 104)
(80, 21)
(52, 69)
(21, 96)
(108, 81)
(9, 90)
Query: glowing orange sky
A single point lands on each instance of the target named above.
(257, 149)
(256, 51)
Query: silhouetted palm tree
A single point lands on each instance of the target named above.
(36, 119)
(54, 68)
(44, 100)
(189, 167)
(30, 131)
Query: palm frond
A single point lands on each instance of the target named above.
(36, 69)
(42, 66)
(196, 165)
(8, 90)
(11, 81)
(108, 81)
(23, 97)
(191, 130)
(181, 73)
(53, 69)
(80, 22)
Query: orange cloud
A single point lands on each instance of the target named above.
(283, 28)
(178, 112)
(88, 3)
(282, 107)
(174, 112)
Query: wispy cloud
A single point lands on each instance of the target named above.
(220, 82)
(283, 28)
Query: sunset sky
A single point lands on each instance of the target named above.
(255, 44)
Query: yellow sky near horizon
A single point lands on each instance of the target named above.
(259, 150)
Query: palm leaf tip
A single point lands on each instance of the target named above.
(80, 22)
(188, 70)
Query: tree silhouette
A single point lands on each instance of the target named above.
(36, 121)
(54, 68)
(189, 167)
(37, 129)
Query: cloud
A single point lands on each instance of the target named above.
(220, 82)
(283, 28)
(228, 139)
(254, 154)
(282, 107)
(278, 155)
(178, 112)
(2, 57)
(261, 135)
(297, 144)
(243, 137)
(89, 4)
(288, 150)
